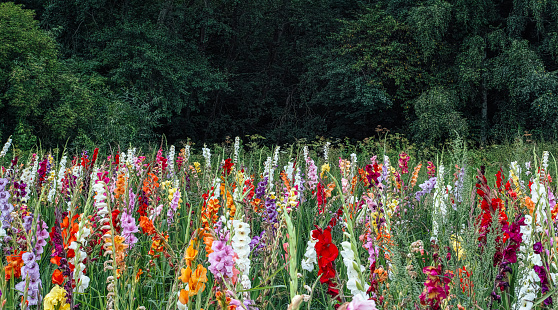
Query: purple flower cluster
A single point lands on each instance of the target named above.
(271, 210)
(42, 235)
(426, 187)
(42, 171)
(257, 243)
(132, 202)
(173, 207)
(221, 261)
(260, 191)
(5, 207)
(508, 255)
(31, 278)
(541, 272)
(128, 224)
(20, 190)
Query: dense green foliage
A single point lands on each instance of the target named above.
(99, 71)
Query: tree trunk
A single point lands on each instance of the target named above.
(484, 112)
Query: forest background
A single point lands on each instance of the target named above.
(98, 72)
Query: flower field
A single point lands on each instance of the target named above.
(309, 227)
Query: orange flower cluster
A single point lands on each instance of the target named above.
(414, 178)
(158, 244)
(119, 250)
(286, 181)
(15, 262)
(209, 212)
(196, 282)
(146, 225)
(224, 301)
(207, 240)
(120, 185)
(382, 274)
(150, 183)
(465, 280)
(191, 254)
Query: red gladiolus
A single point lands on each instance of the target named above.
(326, 252)
(321, 198)
(227, 166)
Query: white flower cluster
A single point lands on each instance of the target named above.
(6, 148)
(269, 171)
(545, 160)
(131, 158)
(57, 182)
(31, 180)
(276, 156)
(82, 281)
(298, 183)
(326, 151)
(353, 164)
(528, 284)
(170, 160)
(186, 153)
(305, 151)
(61, 171)
(27, 178)
(236, 149)
(207, 155)
(310, 256)
(440, 197)
(354, 282)
(241, 245)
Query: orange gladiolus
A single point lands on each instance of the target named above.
(57, 277)
(138, 274)
(15, 262)
(191, 254)
(146, 225)
(198, 279)
(183, 297)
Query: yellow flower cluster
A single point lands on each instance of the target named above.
(56, 299)
(325, 168)
(171, 194)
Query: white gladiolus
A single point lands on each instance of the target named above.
(310, 256)
(236, 149)
(528, 283)
(545, 160)
(6, 148)
(207, 155)
(170, 160)
(276, 156)
(352, 273)
(353, 164)
(440, 208)
(241, 245)
(326, 151)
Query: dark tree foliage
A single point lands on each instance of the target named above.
(105, 71)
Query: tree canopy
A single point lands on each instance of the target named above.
(100, 71)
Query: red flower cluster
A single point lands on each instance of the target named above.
(436, 287)
(491, 205)
(227, 167)
(320, 189)
(326, 252)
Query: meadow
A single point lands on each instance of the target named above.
(378, 224)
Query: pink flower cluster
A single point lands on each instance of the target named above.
(221, 260)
